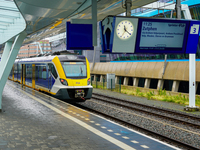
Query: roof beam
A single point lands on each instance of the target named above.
(2, 27)
(8, 5)
(9, 14)
(3, 24)
(11, 21)
(6, 20)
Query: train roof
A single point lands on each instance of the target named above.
(50, 58)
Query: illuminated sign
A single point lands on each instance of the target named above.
(147, 35)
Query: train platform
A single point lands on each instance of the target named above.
(31, 120)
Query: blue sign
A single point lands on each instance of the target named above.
(79, 36)
(146, 35)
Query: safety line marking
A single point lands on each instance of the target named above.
(90, 128)
(110, 130)
(144, 146)
(135, 141)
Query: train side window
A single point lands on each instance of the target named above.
(40, 72)
(53, 70)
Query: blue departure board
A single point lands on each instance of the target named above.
(162, 36)
(149, 35)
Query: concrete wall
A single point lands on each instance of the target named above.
(175, 71)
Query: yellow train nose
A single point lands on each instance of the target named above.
(80, 82)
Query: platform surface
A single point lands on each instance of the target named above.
(32, 120)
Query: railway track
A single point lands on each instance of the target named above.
(171, 116)
(168, 114)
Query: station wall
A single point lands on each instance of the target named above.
(149, 74)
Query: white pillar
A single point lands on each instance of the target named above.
(135, 81)
(95, 77)
(160, 84)
(126, 80)
(8, 61)
(117, 80)
(101, 78)
(175, 86)
(147, 83)
(192, 82)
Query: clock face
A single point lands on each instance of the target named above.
(124, 29)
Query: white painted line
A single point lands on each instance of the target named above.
(144, 146)
(92, 121)
(110, 130)
(103, 127)
(117, 134)
(134, 141)
(90, 128)
(97, 124)
(125, 137)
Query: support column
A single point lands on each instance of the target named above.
(192, 84)
(147, 83)
(128, 4)
(94, 29)
(117, 80)
(135, 82)
(126, 79)
(192, 76)
(9, 59)
(175, 86)
(160, 84)
(178, 9)
(101, 78)
(95, 76)
(6, 52)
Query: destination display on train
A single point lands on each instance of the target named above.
(161, 35)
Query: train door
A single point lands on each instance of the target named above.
(23, 74)
(49, 78)
(33, 76)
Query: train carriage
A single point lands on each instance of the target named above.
(66, 77)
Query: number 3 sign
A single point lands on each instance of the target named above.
(194, 29)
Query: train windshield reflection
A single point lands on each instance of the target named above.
(75, 69)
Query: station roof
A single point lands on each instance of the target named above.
(11, 20)
(47, 18)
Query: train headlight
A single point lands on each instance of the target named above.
(88, 81)
(64, 82)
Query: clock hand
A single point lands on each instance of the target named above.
(128, 32)
(123, 33)
(124, 28)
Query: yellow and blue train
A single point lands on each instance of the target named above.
(66, 77)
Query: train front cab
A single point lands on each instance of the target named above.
(74, 79)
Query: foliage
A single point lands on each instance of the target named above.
(161, 95)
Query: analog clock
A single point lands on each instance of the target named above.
(124, 29)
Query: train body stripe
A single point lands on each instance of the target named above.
(88, 68)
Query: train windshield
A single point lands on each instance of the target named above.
(75, 69)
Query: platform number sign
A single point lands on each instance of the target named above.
(194, 29)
